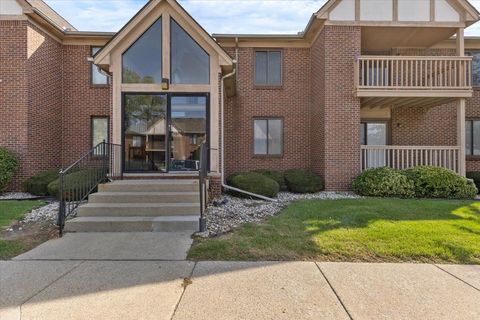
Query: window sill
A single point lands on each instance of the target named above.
(268, 156)
(267, 87)
(99, 85)
(473, 158)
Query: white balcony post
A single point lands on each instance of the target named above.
(461, 109)
(461, 136)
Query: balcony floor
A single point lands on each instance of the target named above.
(383, 102)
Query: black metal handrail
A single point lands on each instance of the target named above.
(202, 182)
(79, 180)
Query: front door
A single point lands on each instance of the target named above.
(374, 133)
(163, 132)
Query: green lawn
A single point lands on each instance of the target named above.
(11, 211)
(356, 230)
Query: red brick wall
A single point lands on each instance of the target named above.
(417, 126)
(317, 111)
(290, 102)
(13, 93)
(342, 109)
(81, 101)
(44, 102)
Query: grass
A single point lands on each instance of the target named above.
(10, 212)
(389, 230)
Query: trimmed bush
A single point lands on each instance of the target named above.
(255, 183)
(8, 165)
(38, 185)
(435, 182)
(303, 181)
(80, 180)
(475, 176)
(383, 182)
(274, 175)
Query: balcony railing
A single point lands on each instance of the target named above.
(402, 73)
(403, 157)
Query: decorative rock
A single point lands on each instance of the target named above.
(47, 212)
(227, 213)
(17, 196)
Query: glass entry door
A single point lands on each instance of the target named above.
(188, 130)
(163, 132)
(145, 133)
(374, 134)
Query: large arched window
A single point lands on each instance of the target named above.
(142, 62)
(190, 64)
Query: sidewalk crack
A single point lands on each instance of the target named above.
(186, 282)
(334, 291)
(48, 285)
(470, 285)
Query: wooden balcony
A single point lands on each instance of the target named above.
(412, 81)
(403, 157)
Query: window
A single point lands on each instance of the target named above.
(472, 137)
(374, 133)
(268, 68)
(142, 62)
(268, 136)
(97, 77)
(99, 131)
(475, 67)
(190, 64)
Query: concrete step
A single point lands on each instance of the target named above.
(186, 185)
(144, 197)
(138, 209)
(133, 224)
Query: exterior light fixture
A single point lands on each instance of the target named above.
(165, 84)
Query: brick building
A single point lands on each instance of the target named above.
(358, 88)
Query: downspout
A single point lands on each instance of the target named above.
(222, 136)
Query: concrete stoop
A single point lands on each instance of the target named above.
(140, 205)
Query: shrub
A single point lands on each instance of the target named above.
(8, 165)
(435, 182)
(274, 175)
(383, 182)
(38, 185)
(83, 180)
(255, 183)
(302, 181)
(475, 176)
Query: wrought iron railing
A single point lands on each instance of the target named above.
(202, 182)
(101, 163)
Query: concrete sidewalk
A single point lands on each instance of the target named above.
(33, 289)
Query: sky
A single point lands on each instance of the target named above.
(216, 16)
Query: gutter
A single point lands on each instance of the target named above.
(222, 138)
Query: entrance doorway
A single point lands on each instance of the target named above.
(163, 132)
(374, 133)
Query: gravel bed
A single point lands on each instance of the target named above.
(227, 212)
(45, 214)
(18, 196)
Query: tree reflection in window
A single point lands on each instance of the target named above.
(189, 62)
(142, 62)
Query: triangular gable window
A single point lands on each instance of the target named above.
(190, 64)
(142, 62)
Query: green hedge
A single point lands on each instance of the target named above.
(278, 176)
(38, 185)
(475, 176)
(383, 182)
(8, 165)
(255, 183)
(303, 181)
(435, 182)
(80, 180)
